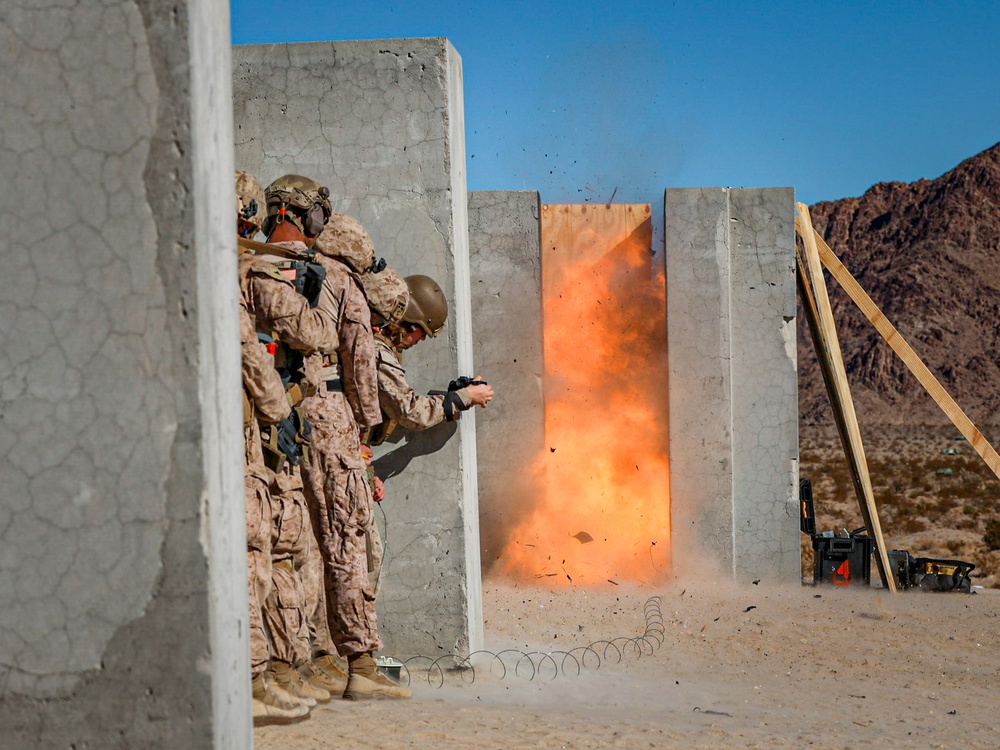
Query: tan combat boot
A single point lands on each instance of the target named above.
(290, 679)
(365, 681)
(324, 672)
(271, 705)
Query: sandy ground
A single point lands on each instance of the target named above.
(738, 667)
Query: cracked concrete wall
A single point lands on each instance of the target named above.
(122, 539)
(505, 250)
(382, 124)
(733, 379)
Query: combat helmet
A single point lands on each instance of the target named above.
(344, 238)
(427, 307)
(387, 293)
(249, 204)
(298, 199)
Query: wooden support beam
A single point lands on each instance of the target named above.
(843, 400)
(826, 368)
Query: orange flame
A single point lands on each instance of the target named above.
(604, 511)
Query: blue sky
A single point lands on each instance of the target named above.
(578, 99)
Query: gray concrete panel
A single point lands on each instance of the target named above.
(733, 408)
(696, 239)
(123, 591)
(505, 243)
(382, 123)
(765, 403)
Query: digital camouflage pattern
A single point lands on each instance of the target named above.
(343, 300)
(292, 543)
(250, 201)
(266, 394)
(259, 569)
(387, 294)
(346, 399)
(346, 499)
(280, 310)
(264, 389)
(343, 238)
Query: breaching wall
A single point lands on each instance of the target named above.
(733, 424)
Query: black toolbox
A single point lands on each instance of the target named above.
(842, 560)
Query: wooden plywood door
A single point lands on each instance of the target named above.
(574, 233)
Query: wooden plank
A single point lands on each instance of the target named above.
(910, 358)
(856, 451)
(583, 233)
(826, 368)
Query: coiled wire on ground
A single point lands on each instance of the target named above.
(542, 664)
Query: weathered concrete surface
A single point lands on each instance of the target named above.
(382, 124)
(123, 591)
(505, 251)
(733, 389)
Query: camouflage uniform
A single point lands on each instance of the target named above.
(281, 310)
(292, 543)
(265, 398)
(346, 399)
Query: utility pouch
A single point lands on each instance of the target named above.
(369, 553)
(381, 432)
(307, 278)
(247, 410)
(274, 457)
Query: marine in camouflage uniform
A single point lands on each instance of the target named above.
(297, 210)
(263, 401)
(346, 402)
(404, 312)
(345, 397)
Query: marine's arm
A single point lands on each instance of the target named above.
(400, 402)
(282, 310)
(358, 358)
(262, 382)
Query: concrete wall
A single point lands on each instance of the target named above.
(733, 390)
(382, 124)
(123, 589)
(505, 250)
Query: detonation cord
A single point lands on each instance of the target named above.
(551, 664)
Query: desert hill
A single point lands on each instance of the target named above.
(928, 253)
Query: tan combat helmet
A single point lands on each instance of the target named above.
(249, 204)
(300, 200)
(387, 293)
(344, 238)
(427, 307)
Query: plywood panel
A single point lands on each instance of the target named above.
(573, 233)
(605, 512)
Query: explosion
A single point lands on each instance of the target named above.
(603, 512)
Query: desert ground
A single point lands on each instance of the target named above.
(703, 662)
(739, 666)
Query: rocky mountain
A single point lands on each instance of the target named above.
(928, 253)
